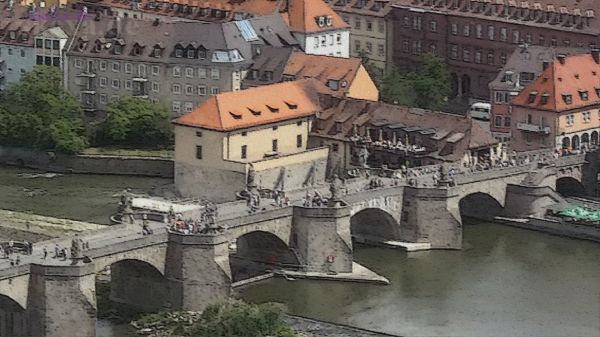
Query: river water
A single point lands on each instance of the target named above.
(505, 282)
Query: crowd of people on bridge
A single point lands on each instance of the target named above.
(205, 223)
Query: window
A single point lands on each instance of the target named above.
(338, 38)
(553, 41)
(357, 22)
(198, 133)
(189, 90)
(178, 52)
(22, 52)
(244, 152)
(335, 147)
(454, 29)
(201, 72)
(498, 121)
(357, 45)
(176, 72)
(116, 67)
(214, 90)
(479, 31)
(176, 89)
(299, 123)
(381, 26)
(369, 47)
(369, 25)
(274, 146)
(215, 74)
(190, 54)
(406, 21)
(155, 86)
(416, 23)
(568, 98)
(127, 84)
(478, 56)
(142, 70)
(102, 65)
(587, 117)
(507, 122)
(528, 38)
(516, 39)
(380, 49)
(39, 43)
(541, 40)
(503, 34)
(189, 106)
(570, 119)
(323, 40)
(198, 150)
(567, 43)
(490, 57)
(331, 39)
(244, 134)
(156, 52)
(78, 63)
(176, 107)
(416, 47)
(103, 99)
(103, 82)
(316, 39)
(275, 128)
(116, 84)
(467, 30)
(155, 70)
(201, 90)
(128, 68)
(453, 51)
(491, 33)
(433, 26)
(189, 72)
(298, 141)
(466, 55)
(503, 58)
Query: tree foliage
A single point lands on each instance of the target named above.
(37, 112)
(138, 122)
(238, 319)
(428, 86)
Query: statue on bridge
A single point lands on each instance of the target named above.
(444, 177)
(76, 249)
(363, 155)
(335, 187)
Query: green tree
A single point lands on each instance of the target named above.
(238, 319)
(136, 121)
(428, 86)
(37, 112)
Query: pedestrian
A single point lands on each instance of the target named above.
(45, 252)
(56, 250)
(18, 260)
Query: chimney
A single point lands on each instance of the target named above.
(561, 58)
(596, 55)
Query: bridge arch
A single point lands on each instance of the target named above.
(374, 224)
(569, 186)
(480, 205)
(13, 318)
(152, 255)
(255, 252)
(135, 283)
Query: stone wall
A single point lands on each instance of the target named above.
(206, 182)
(522, 201)
(93, 164)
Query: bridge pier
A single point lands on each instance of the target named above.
(197, 270)
(62, 301)
(322, 238)
(430, 215)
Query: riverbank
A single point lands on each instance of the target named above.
(554, 227)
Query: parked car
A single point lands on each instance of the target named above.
(480, 111)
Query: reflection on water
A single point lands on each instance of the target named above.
(507, 282)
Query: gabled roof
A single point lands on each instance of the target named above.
(254, 107)
(303, 16)
(323, 68)
(565, 85)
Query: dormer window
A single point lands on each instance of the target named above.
(333, 84)
(24, 36)
(329, 21)
(178, 52)
(321, 21)
(544, 99)
(597, 91)
(567, 98)
(291, 105)
(157, 52)
(118, 49)
(98, 47)
(137, 50)
(201, 53)
(191, 54)
(583, 94)
(532, 96)
(12, 35)
(81, 46)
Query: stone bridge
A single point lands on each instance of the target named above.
(55, 298)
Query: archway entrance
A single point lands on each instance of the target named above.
(566, 143)
(373, 225)
(479, 206)
(255, 253)
(128, 287)
(13, 318)
(594, 138)
(569, 187)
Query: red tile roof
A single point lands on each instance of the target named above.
(566, 84)
(303, 16)
(255, 106)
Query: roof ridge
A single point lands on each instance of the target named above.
(218, 105)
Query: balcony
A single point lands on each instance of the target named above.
(533, 128)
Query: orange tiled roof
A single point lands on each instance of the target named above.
(303, 16)
(322, 68)
(255, 106)
(564, 85)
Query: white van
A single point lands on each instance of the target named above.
(480, 111)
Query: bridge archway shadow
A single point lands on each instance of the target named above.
(13, 318)
(255, 253)
(569, 187)
(479, 206)
(135, 286)
(373, 225)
